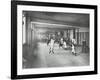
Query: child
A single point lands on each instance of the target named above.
(51, 50)
(64, 44)
(73, 46)
(61, 43)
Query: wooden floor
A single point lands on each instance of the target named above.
(60, 58)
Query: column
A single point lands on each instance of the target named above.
(74, 33)
(24, 28)
(28, 30)
(65, 34)
(77, 36)
(71, 33)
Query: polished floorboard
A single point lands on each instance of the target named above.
(60, 58)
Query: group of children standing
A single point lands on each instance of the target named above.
(62, 43)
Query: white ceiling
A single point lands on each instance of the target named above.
(74, 19)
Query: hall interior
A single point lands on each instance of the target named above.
(37, 26)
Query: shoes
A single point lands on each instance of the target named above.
(51, 52)
(74, 53)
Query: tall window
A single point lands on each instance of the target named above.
(24, 28)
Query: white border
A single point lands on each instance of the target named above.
(21, 71)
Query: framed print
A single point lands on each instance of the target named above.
(53, 39)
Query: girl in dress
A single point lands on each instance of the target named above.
(73, 46)
(51, 44)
